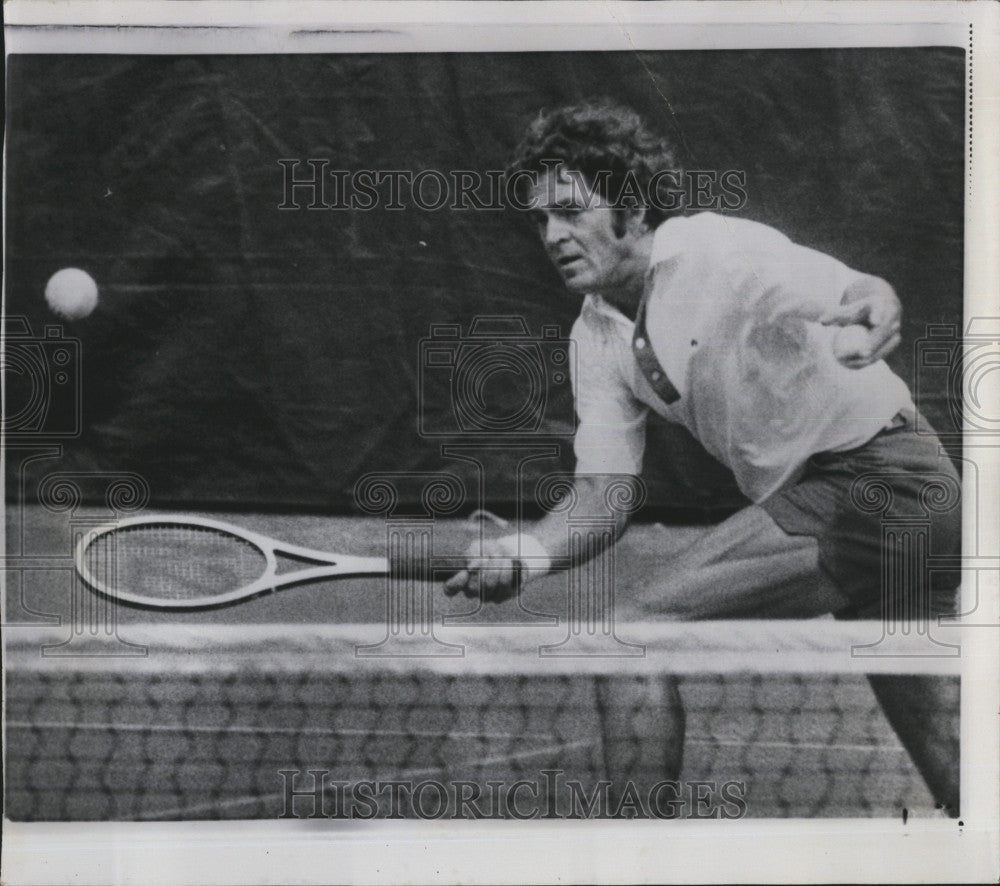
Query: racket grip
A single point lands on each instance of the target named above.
(445, 567)
(440, 568)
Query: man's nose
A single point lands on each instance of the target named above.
(556, 231)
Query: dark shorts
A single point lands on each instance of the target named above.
(887, 517)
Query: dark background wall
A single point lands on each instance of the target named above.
(261, 357)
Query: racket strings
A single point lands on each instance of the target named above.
(171, 562)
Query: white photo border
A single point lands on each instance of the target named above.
(545, 851)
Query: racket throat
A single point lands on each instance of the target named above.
(285, 563)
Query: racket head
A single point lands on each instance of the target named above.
(176, 562)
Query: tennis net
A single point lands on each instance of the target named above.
(274, 721)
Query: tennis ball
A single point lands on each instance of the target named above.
(851, 341)
(71, 293)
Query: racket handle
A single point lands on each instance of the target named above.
(445, 567)
(440, 567)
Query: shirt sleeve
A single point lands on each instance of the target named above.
(611, 431)
(794, 279)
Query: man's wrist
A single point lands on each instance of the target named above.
(528, 550)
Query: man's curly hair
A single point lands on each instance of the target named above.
(592, 137)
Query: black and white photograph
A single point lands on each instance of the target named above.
(500, 442)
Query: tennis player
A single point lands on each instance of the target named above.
(771, 354)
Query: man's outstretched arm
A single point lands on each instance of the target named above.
(493, 566)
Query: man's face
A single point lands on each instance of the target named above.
(579, 235)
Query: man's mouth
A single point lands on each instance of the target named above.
(565, 261)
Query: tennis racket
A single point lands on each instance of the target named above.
(197, 563)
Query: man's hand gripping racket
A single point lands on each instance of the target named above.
(164, 562)
(494, 566)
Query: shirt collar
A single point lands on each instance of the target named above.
(595, 306)
(664, 247)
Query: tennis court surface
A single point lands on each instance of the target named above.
(125, 714)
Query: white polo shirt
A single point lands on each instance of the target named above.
(723, 345)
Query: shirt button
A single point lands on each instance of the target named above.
(640, 343)
(694, 343)
(656, 376)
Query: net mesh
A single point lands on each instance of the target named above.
(298, 726)
(171, 562)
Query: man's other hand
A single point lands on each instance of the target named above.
(871, 304)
